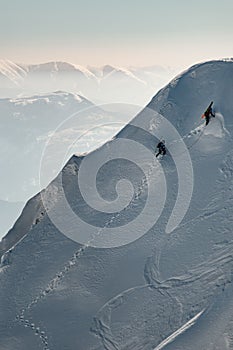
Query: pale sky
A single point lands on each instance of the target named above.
(123, 32)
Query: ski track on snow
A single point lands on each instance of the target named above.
(214, 272)
(208, 272)
(179, 331)
(104, 330)
(72, 262)
(21, 317)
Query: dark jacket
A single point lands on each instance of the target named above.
(209, 111)
(161, 146)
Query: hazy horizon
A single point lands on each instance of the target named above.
(116, 33)
(98, 66)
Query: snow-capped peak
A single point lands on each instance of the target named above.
(59, 66)
(143, 294)
(12, 71)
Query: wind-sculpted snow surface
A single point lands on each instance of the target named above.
(125, 251)
(125, 207)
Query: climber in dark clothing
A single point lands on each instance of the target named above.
(162, 148)
(208, 113)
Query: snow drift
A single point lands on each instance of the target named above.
(161, 290)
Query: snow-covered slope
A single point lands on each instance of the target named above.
(159, 278)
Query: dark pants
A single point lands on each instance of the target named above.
(207, 118)
(161, 151)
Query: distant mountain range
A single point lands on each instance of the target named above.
(165, 279)
(107, 84)
(26, 125)
(36, 99)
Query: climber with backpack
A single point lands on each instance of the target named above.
(161, 147)
(208, 113)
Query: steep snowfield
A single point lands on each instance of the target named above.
(163, 281)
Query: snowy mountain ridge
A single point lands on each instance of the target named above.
(141, 294)
(57, 66)
(12, 71)
(48, 98)
(26, 123)
(99, 84)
